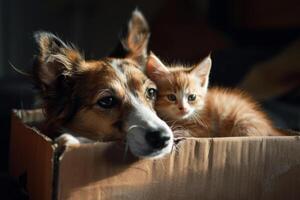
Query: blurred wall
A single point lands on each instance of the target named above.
(91, 25)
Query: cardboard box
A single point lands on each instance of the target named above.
(203, 168)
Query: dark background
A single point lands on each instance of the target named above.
(239, 33)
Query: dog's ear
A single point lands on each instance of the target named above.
(136, 40)
(54, 72)
(55, 58)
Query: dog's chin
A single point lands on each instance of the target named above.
(140, 148)
(146, 151)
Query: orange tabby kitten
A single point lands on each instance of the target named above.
(184, 102)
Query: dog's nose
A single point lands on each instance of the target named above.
(157, 139)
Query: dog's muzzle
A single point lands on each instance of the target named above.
(148, 135)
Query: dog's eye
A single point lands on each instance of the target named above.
(171, 97)
(151, 93)
(192, 97)
(108, 102)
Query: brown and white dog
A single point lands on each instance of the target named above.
(107, 99)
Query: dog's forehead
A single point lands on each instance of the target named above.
(118, 75)
(128, 70)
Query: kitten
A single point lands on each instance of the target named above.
(186, 104)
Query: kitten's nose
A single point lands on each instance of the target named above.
(157, 139)
(182, 109)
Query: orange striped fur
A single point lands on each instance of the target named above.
(215, 112)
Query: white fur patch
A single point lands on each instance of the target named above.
(66, 140)
(70, 138)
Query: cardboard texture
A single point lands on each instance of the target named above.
(31, 155)
(202, 168)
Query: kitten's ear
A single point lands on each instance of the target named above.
(55, 58)
(155, 69)
(202, 70)
(136, 41)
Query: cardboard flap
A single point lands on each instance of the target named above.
(30, 116)
(218, 168)
(31, 155)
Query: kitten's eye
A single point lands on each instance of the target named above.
(192, 97)
(108, 102)
(171, 97)
(151, 93)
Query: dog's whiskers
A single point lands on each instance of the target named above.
(176, 146)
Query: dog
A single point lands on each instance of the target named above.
(101, 100)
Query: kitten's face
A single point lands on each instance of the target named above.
(179, 95)
(181, 91)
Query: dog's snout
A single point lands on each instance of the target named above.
(157, 139)
(148, 135)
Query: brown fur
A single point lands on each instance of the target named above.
(99, 76)
(218, 112)
(70, 86)
(107, 99)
